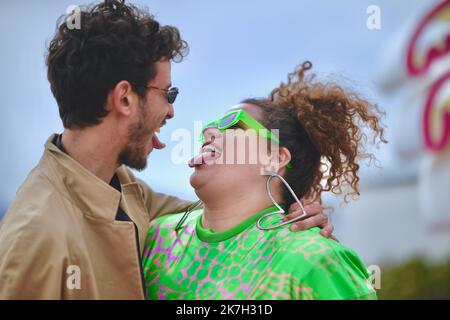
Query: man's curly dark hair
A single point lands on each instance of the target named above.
(116, 42)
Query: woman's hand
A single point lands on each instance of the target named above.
(316, 218)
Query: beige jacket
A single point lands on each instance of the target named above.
(60, 240)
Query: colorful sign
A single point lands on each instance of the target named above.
(420, 58)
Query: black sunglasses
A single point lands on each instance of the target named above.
(171, 93)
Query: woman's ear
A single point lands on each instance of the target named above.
(285, 157)
(280, 160)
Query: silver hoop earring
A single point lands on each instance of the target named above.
(280, 210)
(189, 210)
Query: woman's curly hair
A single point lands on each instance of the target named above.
(324, 126)
(114, 42)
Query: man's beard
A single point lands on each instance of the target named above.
(133, 154)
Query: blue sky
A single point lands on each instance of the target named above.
(238, 49)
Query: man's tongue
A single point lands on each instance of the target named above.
(157, 144)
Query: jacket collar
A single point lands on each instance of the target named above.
(95, 197)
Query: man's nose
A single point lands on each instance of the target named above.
(170, 112)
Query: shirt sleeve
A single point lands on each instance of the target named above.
(159, 204)
(337, 274)
(29, 268)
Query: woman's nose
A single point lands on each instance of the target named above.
(211, 133)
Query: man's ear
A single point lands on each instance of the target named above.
(123, 98)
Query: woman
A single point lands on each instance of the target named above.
(235, 247)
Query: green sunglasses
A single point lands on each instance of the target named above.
(243, 120)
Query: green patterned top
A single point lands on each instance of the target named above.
(247, 263)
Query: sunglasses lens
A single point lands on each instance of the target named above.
(228, 121)
(172, 95)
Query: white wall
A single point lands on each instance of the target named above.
(386, 223)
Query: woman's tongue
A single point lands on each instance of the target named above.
(202, 158)
(157, 144)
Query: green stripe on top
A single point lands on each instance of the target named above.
(209, 235)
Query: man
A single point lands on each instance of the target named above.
(77, 225)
